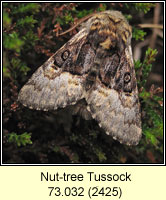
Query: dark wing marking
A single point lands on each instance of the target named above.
(54, 85)
(114, 102)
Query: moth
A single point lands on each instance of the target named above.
(95, 66)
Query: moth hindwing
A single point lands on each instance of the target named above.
(95, 65)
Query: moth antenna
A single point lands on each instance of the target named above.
(78, 23)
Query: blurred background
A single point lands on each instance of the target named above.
(31, 34)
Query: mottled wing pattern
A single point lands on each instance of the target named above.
(117, 113)
(95, 65)
(59, 81)
(41, 93)
(113, 99)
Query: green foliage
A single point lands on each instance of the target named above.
(18, 65)
(6, 20)
(102, 7)
(6, 72)
(83, 13)
(25, 8)
(150, 103)
(65, 19)
(20, 140)
(146, 66)
(144, 7)
(139, 7)
(100, 154)
(18, 36)
(27, 21)
(29, 39)
(13, 42)
(153, 117)
(138, 34)
(68, 18)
